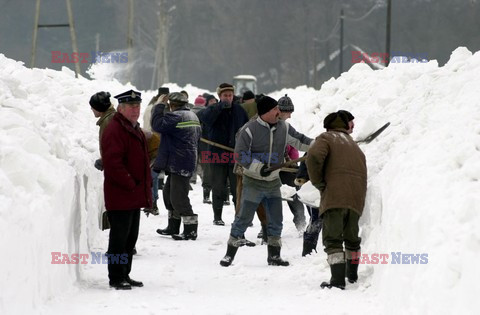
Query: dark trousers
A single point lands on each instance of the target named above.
(296, 206)
(340, 226)
(206, 176)
(314, 226)
(175, 196)
(124, 225)
(220, 173)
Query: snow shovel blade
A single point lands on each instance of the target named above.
(371, 137)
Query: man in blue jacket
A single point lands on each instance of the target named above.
(177, 156)
(222, 120)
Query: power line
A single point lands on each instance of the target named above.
(332, 33)
(364, 16)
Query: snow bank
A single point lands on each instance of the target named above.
(424, 172)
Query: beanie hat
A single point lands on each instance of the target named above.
(265, 104)
(248, 95)
(199, 101)
(225, 87)
(285, 104)
(349, 115)
(100, 101)
(178, 98)
(336, 121)
(208, 98)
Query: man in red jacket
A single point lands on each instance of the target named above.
(127, 186)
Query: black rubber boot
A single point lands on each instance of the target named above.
(308, 247)
(264, 234)
(338, 277)
(229, 256)
(190, 227)
(206, 196)
(217, 217)
(352, 270)
(274, 258)
(172, 228)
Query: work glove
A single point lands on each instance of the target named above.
(264, 172)
(99, 164)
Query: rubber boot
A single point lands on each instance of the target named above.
(352, 270)
(173, 226)
(308, 247)
(274, 258)
(337, 269)
(206, 196)
(217, 217)
(233, 244)
(190, 227)
(338, 277)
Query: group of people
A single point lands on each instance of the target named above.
(247, 145)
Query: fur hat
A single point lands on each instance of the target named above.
(349, 115)
(265, 104)
(100, 101)
(225, 87)
(285, 104)
(336, 121)
(210, 97)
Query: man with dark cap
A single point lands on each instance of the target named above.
(177, 157)
(102, 109)
(261, 145)
(249, 104)
(127, 186)
(222, 121)
(343, 185)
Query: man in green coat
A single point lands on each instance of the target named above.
(337, 167)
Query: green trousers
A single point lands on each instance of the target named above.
(340, 226)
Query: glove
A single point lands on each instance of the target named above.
(99, 164)
(225, 105)
(264, 172)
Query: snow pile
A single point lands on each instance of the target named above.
(424, 173)
(422, 198)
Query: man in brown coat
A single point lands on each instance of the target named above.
(337, 167)
(127, 186)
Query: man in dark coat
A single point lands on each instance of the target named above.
(127, 186)
(337, 167)
(177, 156)
(222, 120)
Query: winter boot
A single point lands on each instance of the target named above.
(190, 226)
(274, 258)
(217, 217)
(233, 244)
(206, 196)
(274, 247)
(352, 270)
(160, 183)
(247, 242)
(337, 269)
(308, 247)
(173, 226)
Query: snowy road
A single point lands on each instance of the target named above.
(186, 278)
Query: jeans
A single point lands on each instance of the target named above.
(251, 198)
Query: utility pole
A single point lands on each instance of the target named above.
(74, 37)
(70, 25)
(130, 39)
(389, 26)
(341, 41)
